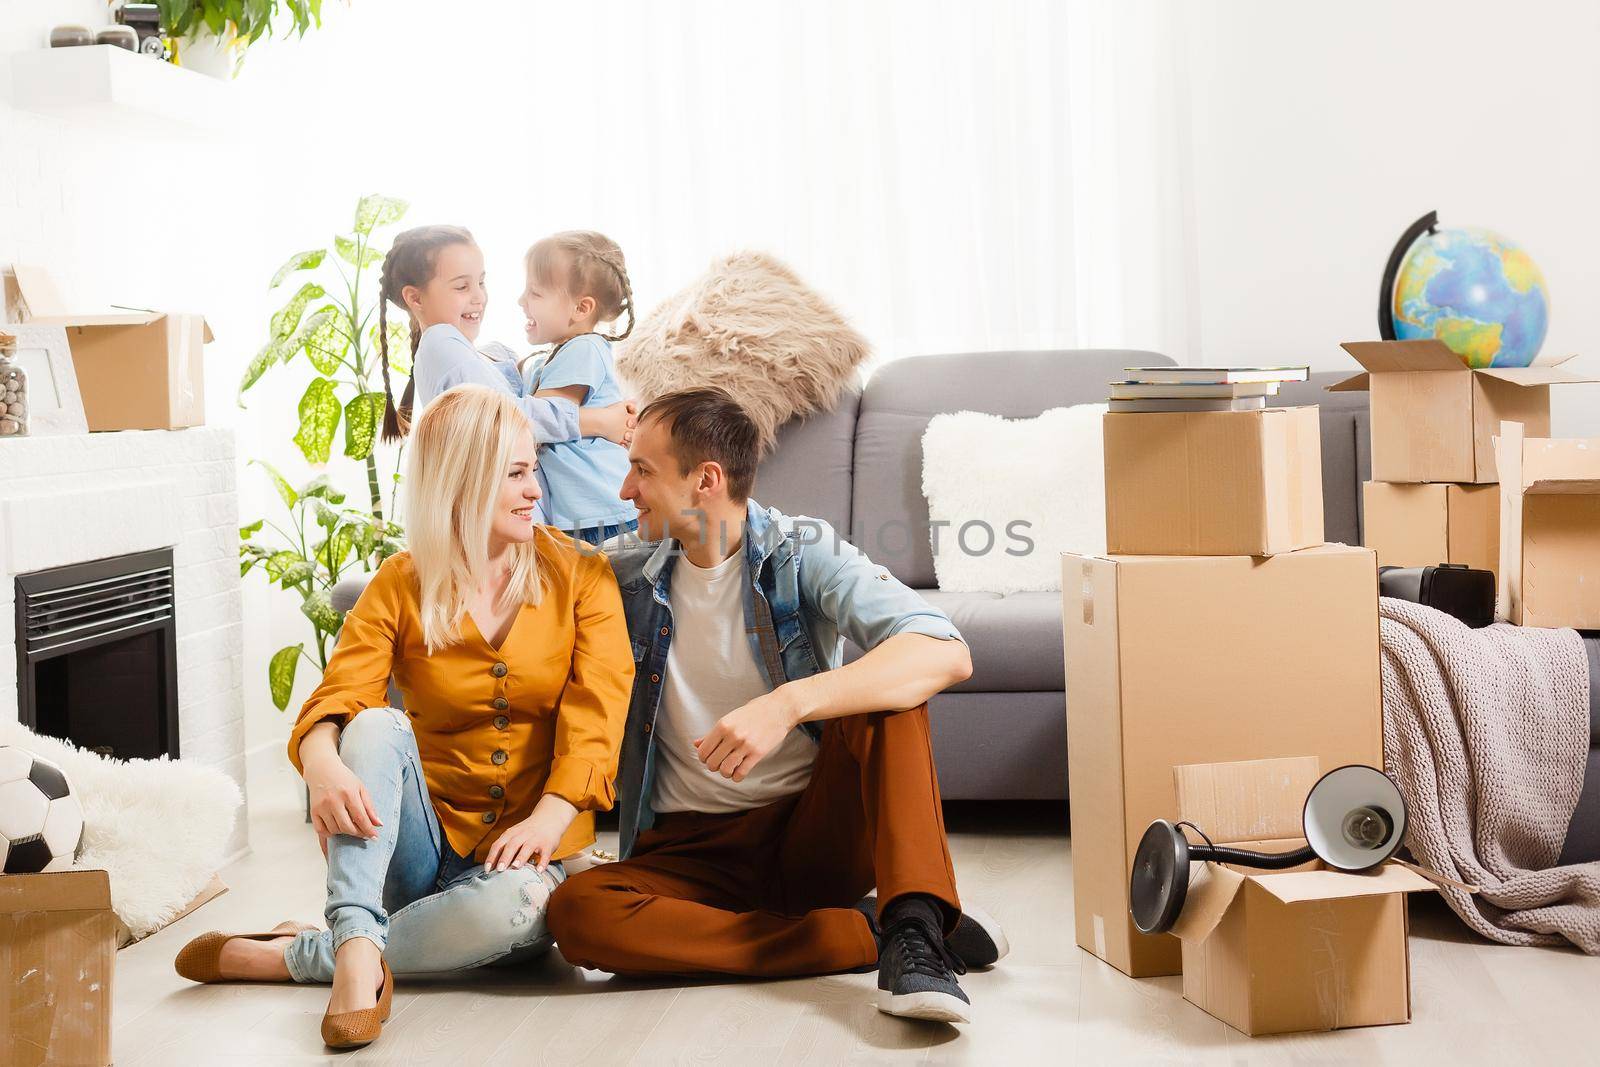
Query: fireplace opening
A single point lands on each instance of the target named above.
(97, 655)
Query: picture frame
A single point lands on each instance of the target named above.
(55, 406)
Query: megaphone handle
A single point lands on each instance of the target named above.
(1271, 861)
(1434, 876)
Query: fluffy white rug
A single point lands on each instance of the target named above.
(752, 327)
(158, 826)
(1014, 481)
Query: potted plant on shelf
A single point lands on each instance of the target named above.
(324, 540)
(211, 36)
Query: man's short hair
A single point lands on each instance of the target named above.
(708, 424)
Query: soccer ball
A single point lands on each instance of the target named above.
(41, 821)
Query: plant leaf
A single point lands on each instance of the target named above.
(280, 673)
(327, 517)
(347, 251)
(320, 488)
(296, 573)
(287, 318)
(270, 353)
(363, 417)
(252, 529)
(399, 347)
(326, 340)
(374, 211)
(319, 609)
(308, 260)
(285, 490)
(280, 561)
(319, 417)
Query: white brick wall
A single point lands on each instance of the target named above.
(90, 496)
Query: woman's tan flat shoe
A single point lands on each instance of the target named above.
(198, 960)
(352, 1029)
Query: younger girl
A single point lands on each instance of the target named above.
(435, 273)
(577, 280)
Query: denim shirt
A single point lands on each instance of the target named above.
(808, 589)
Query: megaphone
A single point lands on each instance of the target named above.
(1354, 819)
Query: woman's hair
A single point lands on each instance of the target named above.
(586, 263)
(460, 454)
(411, 261)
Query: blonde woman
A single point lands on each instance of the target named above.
(445, 824)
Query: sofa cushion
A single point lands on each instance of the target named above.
(889, 516)
(809, 469)
(1015, 640)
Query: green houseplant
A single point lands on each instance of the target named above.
(212, 35)
(331, 320)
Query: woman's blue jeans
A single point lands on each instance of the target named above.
(406, 890)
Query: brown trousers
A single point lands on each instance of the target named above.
(769, 892)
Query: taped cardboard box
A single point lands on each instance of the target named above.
(58, 945)
(1434, 418)
(1549, 529)
(1274, 953)
(1423, 525)
(137, 370)
(1213, 483)
(1174, 660)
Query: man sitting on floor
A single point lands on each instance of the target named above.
(765, 788)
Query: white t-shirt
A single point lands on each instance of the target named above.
(710, 671)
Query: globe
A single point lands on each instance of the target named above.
(1479, 293)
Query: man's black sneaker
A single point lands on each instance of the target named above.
(916, 972)
(977, 940)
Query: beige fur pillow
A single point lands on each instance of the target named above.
(750, 326)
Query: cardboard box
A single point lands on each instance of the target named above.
(1434, 418)
(1274, 953)
(57, 953)
(1423, 525)
(137, 370)
(1549, 530)
(1213, 483)
(1174, 660)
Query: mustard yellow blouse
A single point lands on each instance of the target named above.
(496, 728)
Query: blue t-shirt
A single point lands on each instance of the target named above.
(585, 474)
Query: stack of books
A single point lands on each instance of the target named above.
(1200, 388)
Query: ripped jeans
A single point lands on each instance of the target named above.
(406, 889)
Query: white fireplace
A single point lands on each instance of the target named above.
(84, 497)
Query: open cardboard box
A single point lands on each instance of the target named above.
(1412, 525)
(137, 370)
(1213, 483)
(1182, 659)
(1549, 572)
(1434, 418)
(1307, 949)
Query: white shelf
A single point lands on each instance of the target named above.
(103, 82)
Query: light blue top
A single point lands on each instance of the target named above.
(445, 359)
(585, 474)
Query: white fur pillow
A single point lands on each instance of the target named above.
(994, 485)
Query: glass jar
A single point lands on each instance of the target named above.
(13, 390)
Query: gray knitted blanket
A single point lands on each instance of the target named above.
(1486, 733)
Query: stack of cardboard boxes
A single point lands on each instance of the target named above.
(1218, 629)
(1433, 497)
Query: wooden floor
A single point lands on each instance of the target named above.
(1049, 1002)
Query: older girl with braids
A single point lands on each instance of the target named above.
(576, 281)
(436, 275)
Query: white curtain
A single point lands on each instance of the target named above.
(956, 176)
